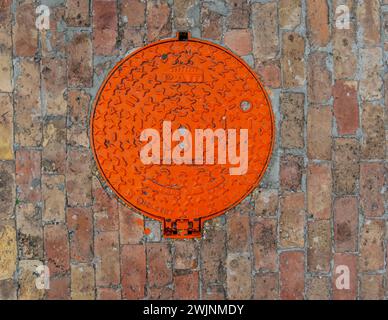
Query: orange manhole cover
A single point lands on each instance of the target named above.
(182, 130)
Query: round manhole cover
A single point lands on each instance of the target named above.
(182, 130)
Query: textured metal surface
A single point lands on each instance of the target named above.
(195, 85)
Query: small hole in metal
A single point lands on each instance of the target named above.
(245, 105)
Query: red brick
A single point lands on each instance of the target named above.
(346, 224)
(292, 220)
(108, 294)
(28, 175)
(373, 142)
(77, 13)
(264, 237)
(372, 246)
(25, 35)
(6, 27)
(346, 107)
(291, 171)
(107, 255)
(318, 78)
(211, 24)
(371, 188)
(78, 181)
(318, 22)
(319, 189)
(133, 271)
(59, 288)
(80, 60)
(131, 225)
(186, 286)
(238, 17)
(238, 230)
(319, 246)
(54, 146)
(104, 27)
(158, 20)
(368, 17)
(165, 293)
(186, 255)
(132, 13)
(159, 270)
(269, 73)
(290, 13)
(349, 261)
(292, 60)
(54, 198)
(266, 202)
(238, 276)
(291, 275)
(56, 244)
(266, 286)
(80, 224)
(239, 41)
(105, 208)
(319, 137)
(372, 287)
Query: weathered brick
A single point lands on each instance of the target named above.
(239, 41)
(319, 136)
(371, 188)
(368, 17)
(266, 286)
(158, 20)
(186, 286)
(372, 287)
(131, 38)
(373, 142)
(8, 289)
(159, 269)
(239, 14)
(292, 220)
(290, 13)
(6, 73)
(108, 294)
(264, 19)
(291, 171)
(370, 80)
(80, 60)
(28, 175)
(107, 255)
(30, 231)
(78, 103)
(349, 261)
(53, 193)
(238, 231)
(104, 27)
(346, 165)
(27, 277)
(319, 189)
(6, 127)
(264, 237)
(318, 25)
(28, 113)
(131, 225)
(238, 276)
(133, 271)
(211, 24)
(54, 86)
(319, 246)
(77, 13)
(266, 202)
(54, 146)
(318, 288)
(6, 28)
(80, 224)
(7, 190)
(8, 252)
(291, 275)
(346, 107)
(346, 224)
(213, 256)
(59, 288)
(269, 73)
(82, 282)
(25, 34)
(372, 246)
(78, 174)
(56, 244)
(318, 78)
(186, 255)
(152, 231)
(164, 293)
(292, 60)
(132, 12)
(52, 41)
(292, 125)
(184, 14)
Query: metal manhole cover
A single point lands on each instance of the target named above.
(182, 130)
